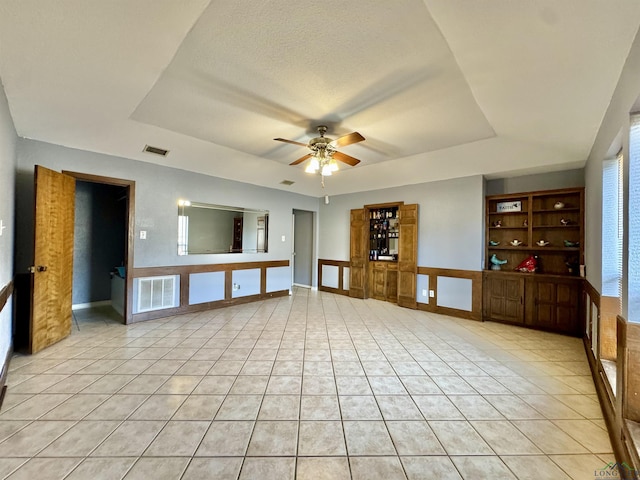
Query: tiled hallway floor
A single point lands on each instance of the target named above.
(309, 386)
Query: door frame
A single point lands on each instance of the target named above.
(129, 229)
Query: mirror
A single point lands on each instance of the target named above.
(205, 228)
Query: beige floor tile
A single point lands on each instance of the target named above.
(318, 385)
(144, 384)
(368, 438)
(213, 468)
(548, 437)
(249, 385)
(459, 438)
(157, 468)
(359, 407)
(280, 407)
(8, 465)
(591, 436)
(109, 384)
(33, 407)
(430, 468)
(414, 438)
(323, 468)
(376, 468)
(73, 384)
(117, 407)
(227, 367)
(454, 385)
(101, 469)
(130, 439)
(274, 438)
(353, 385)
(226, 439)
(513, 407)
(386, 385)
(504, 438)
(214, 385)
(9, 427)
(437, 407)
(134, 366)
(158, 407)
(586, 405)
(284, 385)
(80, 439)
(199, 407)
(239, 407)
(45, 469)
(319, 407)
(583, 466)
(398, 407)
(178, 439)
(28, 441)
(475, 407)
(76, 407)
(534, 467)
(482, 467)
(551, 407)
(276, 468)
(321, 438)
(420, 385)
(180, 384)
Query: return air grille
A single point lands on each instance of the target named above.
(155, 150)
(156, 293)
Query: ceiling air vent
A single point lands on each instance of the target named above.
(287, 182)
(155, 150)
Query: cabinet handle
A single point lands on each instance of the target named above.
(520, 299)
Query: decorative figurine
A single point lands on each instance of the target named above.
(564, 222)
(515, 243)
(529, 265)
(558, 205)
(573, 266)
(542, 243)
(497, 223)
(525, 223)
(493, 243)
(567, 243)
(496, 262)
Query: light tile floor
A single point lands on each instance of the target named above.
(310, 386)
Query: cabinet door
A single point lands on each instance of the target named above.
(378, 281)
(503, 298)
(392, 283)
(358, 255)
(407, 255)
(557, 305)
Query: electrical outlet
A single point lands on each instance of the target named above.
(284, 238)
(424, 292)
(432, 293)
(236, 286)
(143, 234)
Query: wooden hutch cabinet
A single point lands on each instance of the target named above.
(549, 226)
(383, 253)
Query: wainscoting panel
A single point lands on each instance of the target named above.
(206, 287)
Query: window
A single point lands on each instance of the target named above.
(633, 269)
(612, 227)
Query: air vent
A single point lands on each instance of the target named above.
(155, 293)
(287, 182)
(155, 150)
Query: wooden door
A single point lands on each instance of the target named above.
(557, 305)
(358, 256)
(407, 255)
(52, 273)
(504, 298)
(378, 280)
(391, 283)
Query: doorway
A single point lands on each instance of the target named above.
(302, 258)
(103, 255)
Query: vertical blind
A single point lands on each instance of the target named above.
(612, 226)
(633, 269)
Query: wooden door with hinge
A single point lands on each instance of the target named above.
(504, 298)
(407, 255)
(52, 271)
(358, 256)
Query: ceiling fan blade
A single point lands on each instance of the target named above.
(290, 141)
(349, 160)
(301, 159)
(348, 139)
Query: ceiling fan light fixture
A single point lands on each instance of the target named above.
(333, 165)
(326, 170)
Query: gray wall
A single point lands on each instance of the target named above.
(542, 181)
(303, 246)
(8, 140)
(99, 232)
(157, 192)
(450, 216)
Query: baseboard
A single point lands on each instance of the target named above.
(4, 373)
(81, 306)
(302, 286)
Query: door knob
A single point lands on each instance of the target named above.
(39, 268)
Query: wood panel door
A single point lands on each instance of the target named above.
(52, 273)
(504, 298)
(358, 255)
(407, 255)
(557, 305)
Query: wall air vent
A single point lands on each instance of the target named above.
(287, 182)
(155, 150)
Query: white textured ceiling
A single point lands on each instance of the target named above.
(439, 88)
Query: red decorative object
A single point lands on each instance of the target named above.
(529, 265)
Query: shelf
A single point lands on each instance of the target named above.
(554, 226)
(509, 213)
(509, 228)
(536, 248)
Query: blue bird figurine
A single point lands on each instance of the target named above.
(496, 262)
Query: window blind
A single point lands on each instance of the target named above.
(612, 226)
(633, 268)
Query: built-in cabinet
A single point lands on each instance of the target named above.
(548, 228)
(383, 253)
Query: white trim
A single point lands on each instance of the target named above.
(80, 306)
(303, 286)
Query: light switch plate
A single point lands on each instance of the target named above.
(143, 234)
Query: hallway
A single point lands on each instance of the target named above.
(309, 386)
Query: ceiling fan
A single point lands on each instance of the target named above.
(324, 150)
